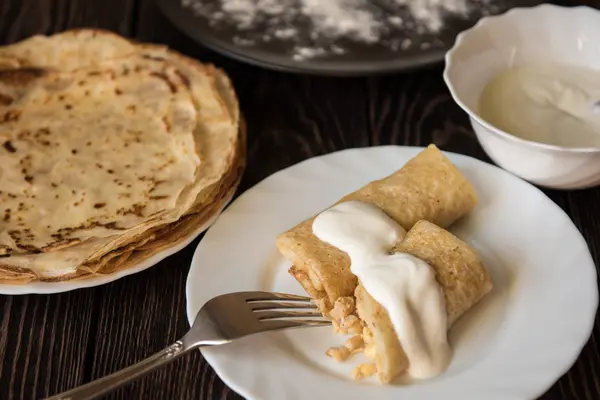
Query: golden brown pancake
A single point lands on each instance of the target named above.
(427, 187)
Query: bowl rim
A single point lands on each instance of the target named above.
(460, 38)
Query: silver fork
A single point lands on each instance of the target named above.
(221, 320)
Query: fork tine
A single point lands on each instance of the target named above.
(261, 296)
(271, 325)
(274, 305)
(262, 315)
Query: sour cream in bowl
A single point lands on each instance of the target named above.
(529, 80)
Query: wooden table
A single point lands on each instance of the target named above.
(49, 343)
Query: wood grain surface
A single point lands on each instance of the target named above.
(50, 343)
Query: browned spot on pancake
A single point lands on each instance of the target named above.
(60, 245)
(136, 209)
(184, 78)
(28, 178)
(63, 234)
(93, 73)
(81, 83)
(74, 151)
(131, 107)
(99, 205)
(8, 146)
(4, 250)
(166, 79)
(22, 76)
(41, 132)
(68, 106)
(118, 92)
(11, 115)
(151, 57)
(54, 184)
(5, 100)
(23, 134)
(158, 197)
(155, 185)
(7, 214)
(167, 125)
(29, 248)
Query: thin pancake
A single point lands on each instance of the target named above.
(216, 103)
(216, 136)
(63, 134)
(151, 242)
(170, 234)
(460, 274)
(428, 187)
(66, 51)
(218, 116)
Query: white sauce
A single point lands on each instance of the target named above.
(549, 103)
(404, 285)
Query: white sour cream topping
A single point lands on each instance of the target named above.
(547, 103)
(404, 285)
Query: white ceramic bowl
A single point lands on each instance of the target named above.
(521, 36)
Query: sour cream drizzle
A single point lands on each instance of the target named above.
(404, 285)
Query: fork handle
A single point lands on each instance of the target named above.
(111, 382)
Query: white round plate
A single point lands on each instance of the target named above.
(59, 287)
(513, 345)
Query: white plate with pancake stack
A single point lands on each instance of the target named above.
(114, 155)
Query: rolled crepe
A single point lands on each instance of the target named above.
(428, 187)
(460, 274)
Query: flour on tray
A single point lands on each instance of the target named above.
(325, 27)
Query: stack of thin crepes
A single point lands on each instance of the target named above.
(426, 195)
(111, 151)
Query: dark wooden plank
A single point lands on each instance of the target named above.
(416, 109)
(24, 18)
(43, 342)
(113, 15)
(140, 315)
